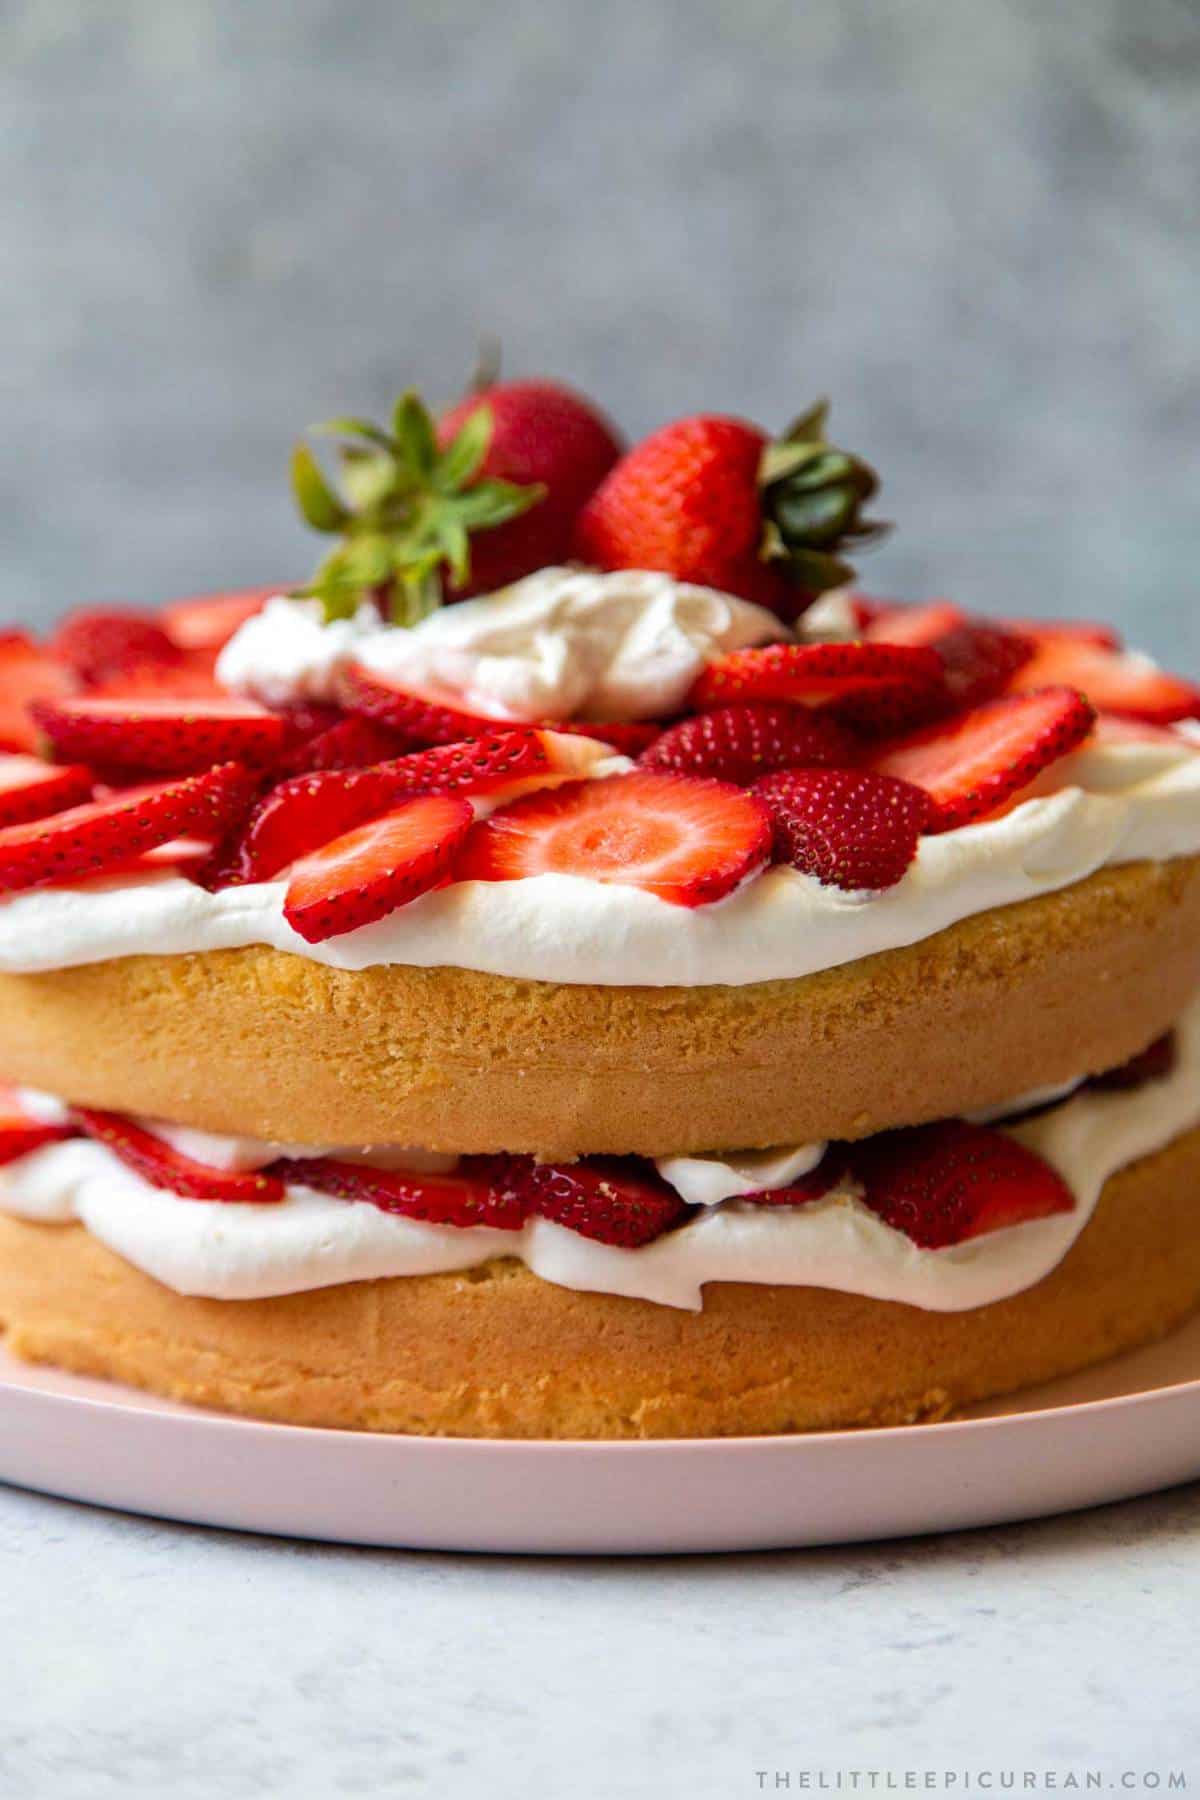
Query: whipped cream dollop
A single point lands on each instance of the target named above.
(287, 653)
(312, 1240)
(565, 928)
(561, 644)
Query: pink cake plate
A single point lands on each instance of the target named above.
(1128, 1427)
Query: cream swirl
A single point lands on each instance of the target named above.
(561, 644)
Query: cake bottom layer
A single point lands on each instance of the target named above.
(497, 1352)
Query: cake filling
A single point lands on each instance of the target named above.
(881, 1218)
(560, 927)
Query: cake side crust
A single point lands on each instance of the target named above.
(274, 1046)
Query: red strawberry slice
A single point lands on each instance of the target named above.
(164, 1167)
(974, 763)
(98, 642)
(1154, 1063)
(978, 659)
(190, 678)
(370, 872)
(815, 674)
(686, 840)
(460, 1199)
(208, 621)
(423, 719)
(628, 738)
(20, 1132)
(491, 764)
(31, 788)
(1114, 681)
(1068, 631)
(942, 1184)
(849, 828)
(301, 815)
(813, 1186)
(740, 743)
(27, 674)
(179, 853)
(171, 736)
(340, 744)
(614, 1200)
(310, 810)
(105, 835)
(308, 719)
(419, 718)
(892, 623)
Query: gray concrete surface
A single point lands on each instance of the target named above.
(148, 1660)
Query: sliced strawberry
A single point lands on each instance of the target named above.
(300, 816)
(816, 674)
(974, 763)
(105, 835)
(20, 1132)
(98, 642)
(901, 624)
(978, 659)
(370, 872)
(460, 1199)
(614, 1200)
(163, 1167)
(190, 677)
(813, 1186)
(307, 719)
(628, 738)
(341, 744)
(186, 855)
(208, 621)
(740, 743)
(686, 840)
(166, 735)
(1114, 681)
(849, 828)
(419, 718)
(310, 810)
(31, 788)
(497, 763)
(27, 674)
(1154, 1063)
(1068, 631)
(941, 1184)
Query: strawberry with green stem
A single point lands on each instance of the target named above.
(407, 510)
(714, 501)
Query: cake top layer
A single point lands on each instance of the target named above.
(532, 653)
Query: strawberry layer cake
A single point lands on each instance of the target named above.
(579, 968)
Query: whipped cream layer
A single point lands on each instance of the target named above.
(561, 644)
(313, 1240)
(1117, 802)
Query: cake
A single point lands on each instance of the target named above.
(580, 967)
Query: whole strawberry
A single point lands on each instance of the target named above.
(712, 500)
(422, 517)
(543, 434)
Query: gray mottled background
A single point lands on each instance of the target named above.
(974, 222)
